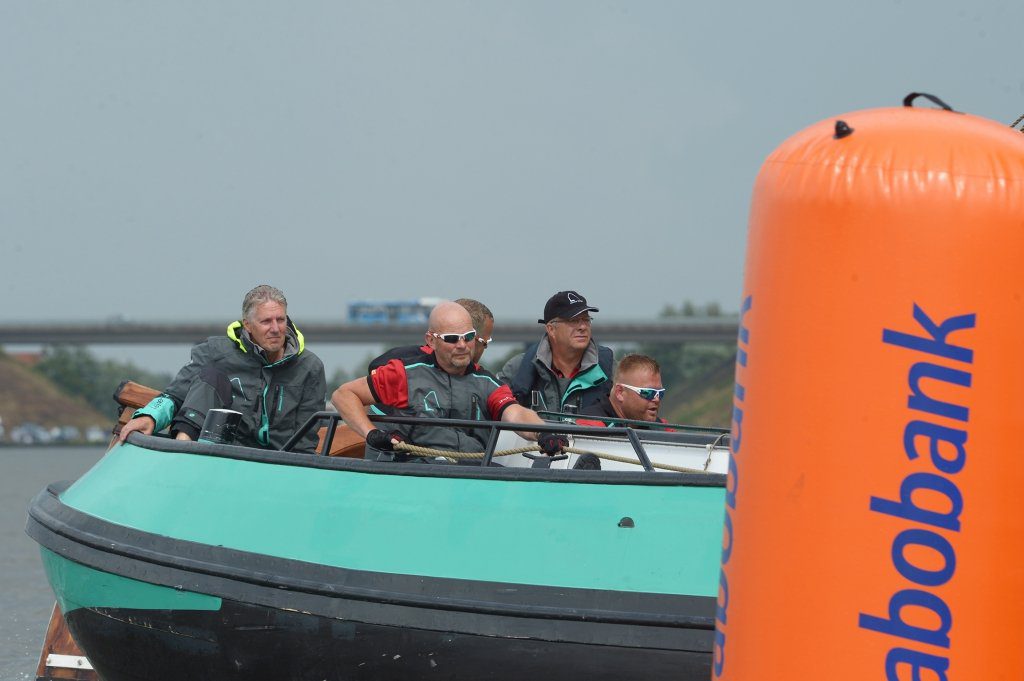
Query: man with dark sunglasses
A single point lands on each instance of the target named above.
(566, 369)
(444, 383)
(636, 392)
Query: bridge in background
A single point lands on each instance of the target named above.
(696, 329)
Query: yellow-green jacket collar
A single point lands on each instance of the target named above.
(236, 332)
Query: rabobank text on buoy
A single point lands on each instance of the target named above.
(915, 616)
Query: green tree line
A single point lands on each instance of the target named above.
(686, 366)
(76, 371)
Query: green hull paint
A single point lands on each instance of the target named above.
(543, 533)
(77, 586)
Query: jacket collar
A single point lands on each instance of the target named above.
(431, 358)
(588, 360)
(294, 343)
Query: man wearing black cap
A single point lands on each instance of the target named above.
(566, 368)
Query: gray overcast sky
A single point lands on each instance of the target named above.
(157, 159)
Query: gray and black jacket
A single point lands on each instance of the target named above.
(232, 372)
(532, 370)
(417, 386)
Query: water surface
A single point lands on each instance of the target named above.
(25, 598)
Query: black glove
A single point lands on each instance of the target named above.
(378, 439)
(552, 443)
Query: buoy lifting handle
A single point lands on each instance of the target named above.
(909, 100)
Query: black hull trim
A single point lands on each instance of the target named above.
(252, 643)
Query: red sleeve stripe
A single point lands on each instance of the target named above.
(390, 385)
(498, 401)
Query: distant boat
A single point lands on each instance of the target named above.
(182, 560)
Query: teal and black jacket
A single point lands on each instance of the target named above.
(417, 386)
(232, 372)
(532, 371)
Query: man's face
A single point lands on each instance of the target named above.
(570, 334)
(268, 327)
(452, 357)
(629, 404)
(482, 335)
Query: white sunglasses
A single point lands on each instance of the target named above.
(649, 394)
(453, 338)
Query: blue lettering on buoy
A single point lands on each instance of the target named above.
(732, 487)
(927, 500)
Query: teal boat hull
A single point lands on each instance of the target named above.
(179, 560)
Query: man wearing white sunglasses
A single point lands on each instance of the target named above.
(636, 392)
(444, 383)
(483, 322)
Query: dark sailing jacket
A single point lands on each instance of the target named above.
(532, 371)
(417, 386)
(231, 372)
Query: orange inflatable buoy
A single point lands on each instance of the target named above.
(874, 523)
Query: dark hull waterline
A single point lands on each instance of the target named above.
(253, 642)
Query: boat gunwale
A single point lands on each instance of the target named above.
(510, 474)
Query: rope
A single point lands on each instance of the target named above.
(623, 459)
(1014, 124)
(416, 450)
(718, 441)
(427, 451)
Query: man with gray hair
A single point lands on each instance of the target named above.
(260, 368)
(566, 369)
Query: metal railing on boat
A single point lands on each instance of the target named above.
(635, 432)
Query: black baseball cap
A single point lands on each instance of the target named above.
(565, 304)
